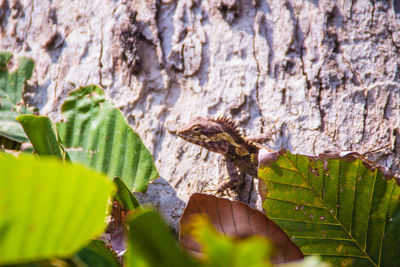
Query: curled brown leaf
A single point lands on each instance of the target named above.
(237, 220)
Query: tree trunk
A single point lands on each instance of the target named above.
(327, 71)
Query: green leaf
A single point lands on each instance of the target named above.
(335, 208)
(97, 134)
(12, 84)
(43, 135)
(48, 208)
(125, 196)
(11, 88)
(150, 243)
(9, 128)
(97, 254)
(391, 244)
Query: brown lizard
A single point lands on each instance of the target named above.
(222, 136)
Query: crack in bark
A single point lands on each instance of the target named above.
(258, 77)
(270, 56)
(372, 13)
(301, 55)
(357, 79)
(163, 62)
(269, 43)
(335, 131)
(251, 189)
(386, 106)
(365, 115)
(303, 70)
(351, 9)
(314, 144)
(283, 92)
(101, 56)
(396, 134)
(29, 23)
(322, 113)
(56, 81)
(297, 37)
(67, 33)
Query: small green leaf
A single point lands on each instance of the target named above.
(125, 196)
(150, 243)
(97, 135)
(4, 58)
(11, 88)
(12, 84)
(47, 208)
(43, 135)
(97, 254)
(336, 208)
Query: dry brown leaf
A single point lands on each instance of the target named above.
(238, 220)
(115, 233)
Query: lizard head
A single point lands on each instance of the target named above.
(207, 133)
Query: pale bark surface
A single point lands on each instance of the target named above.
(328, 71)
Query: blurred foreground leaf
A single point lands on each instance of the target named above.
(150, 243)
(48, 208)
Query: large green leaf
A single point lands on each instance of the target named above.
(97, 134)
(336, 208)
(150, 243)
(43, 135)
(11, 88)
(48, 208)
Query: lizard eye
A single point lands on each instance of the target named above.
(196, 129)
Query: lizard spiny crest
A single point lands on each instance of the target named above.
(227, 121)
(233, 128)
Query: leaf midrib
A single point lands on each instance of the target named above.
(324, 207)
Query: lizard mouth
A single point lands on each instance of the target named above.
(218, 147)
(188, 138)
(191, 139)
(183, 136)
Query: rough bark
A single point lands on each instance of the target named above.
(327, 70)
